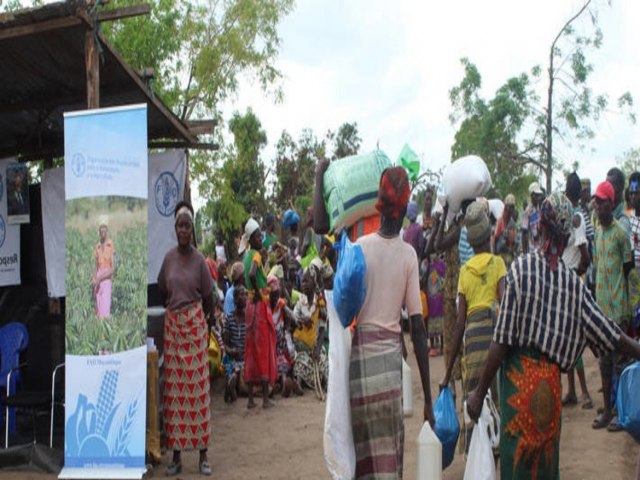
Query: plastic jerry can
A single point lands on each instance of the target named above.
(407, 390)
(429, 464)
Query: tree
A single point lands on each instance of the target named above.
(570, 109)
(294, 170)
(345, 141)
(237, 189)
(630, 161)
(199, 49)
(489, 129)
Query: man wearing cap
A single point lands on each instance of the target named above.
(612, 261)
(531, 220)
(505, 236)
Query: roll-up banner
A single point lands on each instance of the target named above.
(106, 175)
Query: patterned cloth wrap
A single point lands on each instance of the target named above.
(375, 382)
(186, 401)
(530, 409)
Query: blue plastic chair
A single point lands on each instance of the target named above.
(14, 338)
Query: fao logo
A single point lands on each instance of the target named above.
(3, 231)
(78, 164)
(166, 193)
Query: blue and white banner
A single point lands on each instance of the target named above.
(9, 236)
(106, 411)
(167, 171)
(105, 181)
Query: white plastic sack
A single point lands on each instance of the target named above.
(480, 463)
(465, 179)
(339, 451)
(496, 207)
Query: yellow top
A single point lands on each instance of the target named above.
(479, 279)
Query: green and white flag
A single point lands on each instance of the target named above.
(410, 161)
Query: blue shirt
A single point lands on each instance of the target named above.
(229, 304)
(465, 250)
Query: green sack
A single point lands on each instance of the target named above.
(410, 161)
(351, 187)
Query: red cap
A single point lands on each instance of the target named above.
(605, 191)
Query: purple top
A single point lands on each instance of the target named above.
(414, 237)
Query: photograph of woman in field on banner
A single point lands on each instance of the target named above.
(106, 297)
(105, 254)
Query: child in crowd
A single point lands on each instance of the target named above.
(234, 336)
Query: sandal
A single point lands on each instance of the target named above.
(174, 469)
(205, 468)
(614, 425)
(587, 404)
(601, 421)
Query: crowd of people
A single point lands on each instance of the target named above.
(526, 291)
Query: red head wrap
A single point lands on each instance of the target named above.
(394, 192)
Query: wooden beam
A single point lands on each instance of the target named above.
(125, 12)
(202, 127)
(92, 65)
(188, 145)
(40, 27)
(151, 98)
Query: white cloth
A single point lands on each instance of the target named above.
(221, 253)
(578, 237)
(167, 172)
(53, 230)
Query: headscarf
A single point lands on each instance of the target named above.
(394, 192)
(273, 283)
(556, 216)
(184, 210)
(477, 223)
(574, 187)
(412, 211)
(237, 271)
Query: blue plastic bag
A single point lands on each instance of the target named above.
(447, 425)
(290, 218)
(349, 288)
(628, 401)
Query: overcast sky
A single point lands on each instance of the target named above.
(388, 65)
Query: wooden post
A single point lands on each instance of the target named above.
(92, 64)
(187, 183)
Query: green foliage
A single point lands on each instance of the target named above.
(125, 329)
(199, 49)
(489, 129)
(630, 161)
(515, 131)
(345, 141)
(294, 170)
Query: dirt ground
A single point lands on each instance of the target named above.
(285, 442)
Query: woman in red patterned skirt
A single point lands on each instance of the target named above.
(187, 290)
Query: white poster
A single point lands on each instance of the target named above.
(53, 230)
(9, 236)
(167, 172)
